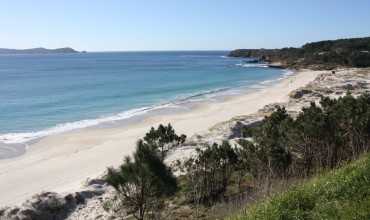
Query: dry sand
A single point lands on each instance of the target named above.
(63, 162)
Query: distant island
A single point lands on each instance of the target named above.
(329, 54)
(38, 50)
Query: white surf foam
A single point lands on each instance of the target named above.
(249, 65)
(24, 137)
(15, 138)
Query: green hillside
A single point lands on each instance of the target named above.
(340, 194)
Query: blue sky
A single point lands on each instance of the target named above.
(101, 25)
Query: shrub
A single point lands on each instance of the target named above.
(143, 182)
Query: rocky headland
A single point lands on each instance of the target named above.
(321, 55)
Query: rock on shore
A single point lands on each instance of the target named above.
(51, 205)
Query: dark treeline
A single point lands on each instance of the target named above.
(278, 149)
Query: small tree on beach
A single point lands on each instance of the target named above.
(141, 183)
(163, 139)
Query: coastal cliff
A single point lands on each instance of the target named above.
(321, 55)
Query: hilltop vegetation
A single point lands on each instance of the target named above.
(354, 52)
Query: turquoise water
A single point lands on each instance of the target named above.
(43, 94)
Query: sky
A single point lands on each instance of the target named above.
(124, 25)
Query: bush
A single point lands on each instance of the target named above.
(209, 173)
(143, 182)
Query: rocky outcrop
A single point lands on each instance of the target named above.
(299, 93)
(97, 206)
(43, 206)
(51, 205)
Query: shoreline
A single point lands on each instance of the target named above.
(15, 144)
(62, 162)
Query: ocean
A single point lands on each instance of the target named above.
(47, 94)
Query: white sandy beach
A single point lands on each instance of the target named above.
(63, 162)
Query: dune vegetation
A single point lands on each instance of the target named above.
(278, 151)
